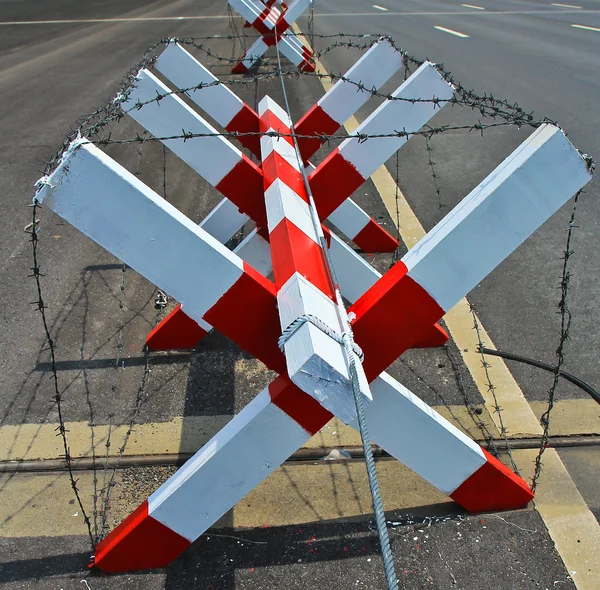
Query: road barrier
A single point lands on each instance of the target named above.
(273, 24)
(291, 323)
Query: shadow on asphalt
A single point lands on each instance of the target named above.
(213, 560)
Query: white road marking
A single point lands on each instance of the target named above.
(379, 7)
(451, 31)
(319, 14)
(586, 28)
(473, 6)
(565, 5)
(110, 20)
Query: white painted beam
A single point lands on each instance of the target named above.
(425, 84)
(185, 71)
(530, 185)
(213, 156)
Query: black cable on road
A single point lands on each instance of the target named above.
(546, 367)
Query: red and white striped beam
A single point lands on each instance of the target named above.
(177, 331)
(316, 363)
(288, 44)
(413, 104)
(265, 433)
(273, 24)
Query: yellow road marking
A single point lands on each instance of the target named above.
(473, 6)
(304, 493)
(36, 505)
(571, 417)
(180, 435)
(565, 5)
(569, 520)
(571, 524)
(186, 435)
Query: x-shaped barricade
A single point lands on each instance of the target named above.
(224, 289)
(272, 23)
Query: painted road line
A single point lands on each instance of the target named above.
(568, 519)
(571, 417)
(83, 21)
(455, 13)
(317, 14)
(473, 6)
(451, 32)
(586, 28)
(43, 505)
(565, 5)
(380, 7)
(572, 526)
(33, 442)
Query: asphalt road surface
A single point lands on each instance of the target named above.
(59, 60)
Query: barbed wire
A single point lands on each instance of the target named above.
(57, 399)
(96, 127)
(491, 388)
(565, 328)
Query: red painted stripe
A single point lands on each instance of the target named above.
(492, 487)
(306, 52)
(307, 66)
(282, 26)
(139, 542)
(334, 180)
(270, 120)
(299, 406)
(243, 186)
(435, 336)
(176, 331)
(275, 166)
(246, 121)
(247, 314)
(271, 39)
(259, 23)
(293, 251)
(373, 238)
(239, 68)
(390, 318)
(316, 122)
